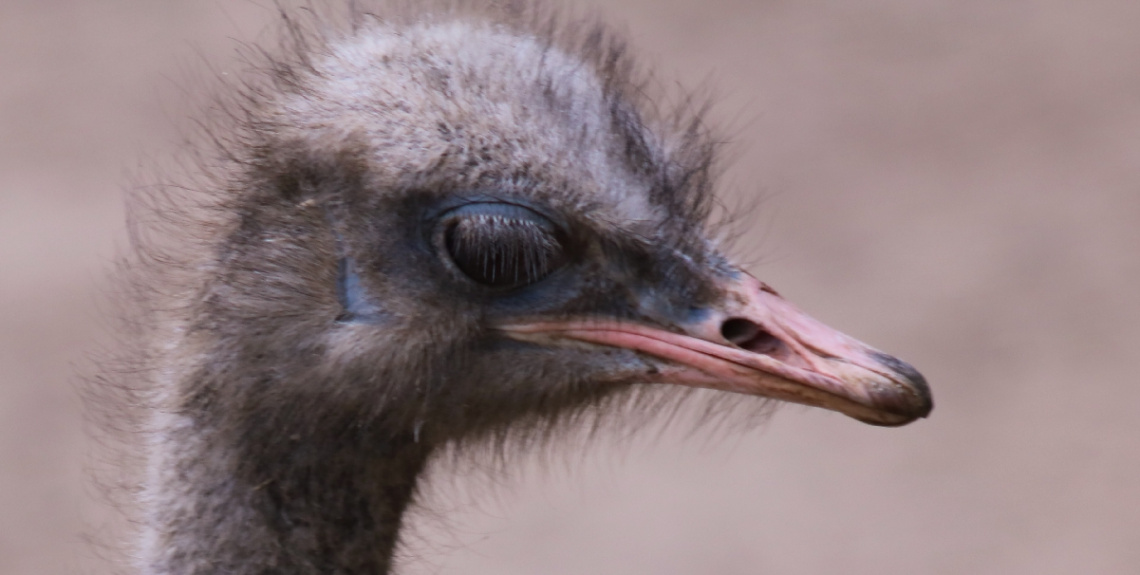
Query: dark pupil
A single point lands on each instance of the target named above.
(502, 250)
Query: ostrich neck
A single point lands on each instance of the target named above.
(220, 502)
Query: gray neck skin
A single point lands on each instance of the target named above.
(329, 505)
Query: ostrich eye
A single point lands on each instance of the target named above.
(502, 245)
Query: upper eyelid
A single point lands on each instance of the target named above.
(458, 202)
(500, 210)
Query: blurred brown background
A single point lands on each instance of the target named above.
(954, 182)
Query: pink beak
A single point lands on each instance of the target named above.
(759, 344)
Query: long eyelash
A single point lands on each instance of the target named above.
(499, 245)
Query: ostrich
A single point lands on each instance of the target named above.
(434, 228)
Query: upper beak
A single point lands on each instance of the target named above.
(759, 344)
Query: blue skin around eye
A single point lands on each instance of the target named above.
(357, 307)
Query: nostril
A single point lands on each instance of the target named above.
(749, 336)
(739, 330)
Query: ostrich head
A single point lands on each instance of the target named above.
(441, 229)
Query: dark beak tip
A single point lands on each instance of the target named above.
(918, 402)
(899, 411)
(890, 422)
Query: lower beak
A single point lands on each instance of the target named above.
(757, 343)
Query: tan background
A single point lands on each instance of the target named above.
(955, 182)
